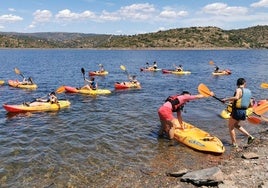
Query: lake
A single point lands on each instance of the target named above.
(105, 136)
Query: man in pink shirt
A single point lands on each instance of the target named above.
(174, 104)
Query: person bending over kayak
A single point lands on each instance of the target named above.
(90, 84)
(174, 104)
(240, 102)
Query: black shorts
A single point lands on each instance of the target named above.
(239, 114)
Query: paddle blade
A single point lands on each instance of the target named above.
(211, 62)
(264, 85)
(83, 70)
(122, 67)
(261, 109)
(204, 90)
(61, 89)
(17, 71)
(254, 120)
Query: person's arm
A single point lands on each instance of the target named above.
(179, 117)
(236, 97)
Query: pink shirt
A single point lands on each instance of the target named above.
(182, 98)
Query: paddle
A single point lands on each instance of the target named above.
(17, 71)
(211, 62)
(264, 85)
(261, 109)
(124, 69)
(204, 90)
(60, 89)
(83, 73)
(254, 120)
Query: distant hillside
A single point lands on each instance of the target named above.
(193, 37)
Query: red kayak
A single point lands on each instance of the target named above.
(127, 85)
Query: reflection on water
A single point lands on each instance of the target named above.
(102, 139)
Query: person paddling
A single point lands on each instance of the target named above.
(90, 84)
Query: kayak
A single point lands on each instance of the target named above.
(149, 69)
(37, 106)
(225, 113)
(127, 85)
(166, 71)
(222, 72)
(18, 84)
(2, 82)
(98, 73)
(198, 139)
(70, 89)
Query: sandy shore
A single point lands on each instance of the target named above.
(238, 172)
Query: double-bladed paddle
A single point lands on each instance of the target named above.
(17, 71)
(204, 90)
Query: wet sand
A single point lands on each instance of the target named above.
(238, 172)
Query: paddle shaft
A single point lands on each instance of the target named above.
(218, 99)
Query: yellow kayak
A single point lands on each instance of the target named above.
(98, 73)
(225, 114)
(2, 82)
(70, 89)
(18, 84)
(198, 139)
(166, 71)
(37, 106)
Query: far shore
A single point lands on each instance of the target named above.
(134, 49)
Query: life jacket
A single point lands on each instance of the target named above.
(244, 101)
(175, 103)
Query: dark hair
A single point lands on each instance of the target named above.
(240, 81)
(52, 93)
(185, 92)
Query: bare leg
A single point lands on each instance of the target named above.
(232, 123)
(241, 129)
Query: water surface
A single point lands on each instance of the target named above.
(104, 135)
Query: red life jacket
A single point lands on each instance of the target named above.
(175, 103)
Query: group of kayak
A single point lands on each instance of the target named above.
(190, 136)
(178, 70)
(47, 105)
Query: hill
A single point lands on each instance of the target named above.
(193, 37)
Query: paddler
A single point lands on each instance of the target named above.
(174, 104)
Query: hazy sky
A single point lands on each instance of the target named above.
(128, 16)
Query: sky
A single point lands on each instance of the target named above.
(128, 17)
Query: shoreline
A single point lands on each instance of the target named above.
(237, 171)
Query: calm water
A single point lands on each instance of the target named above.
(104, 135)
